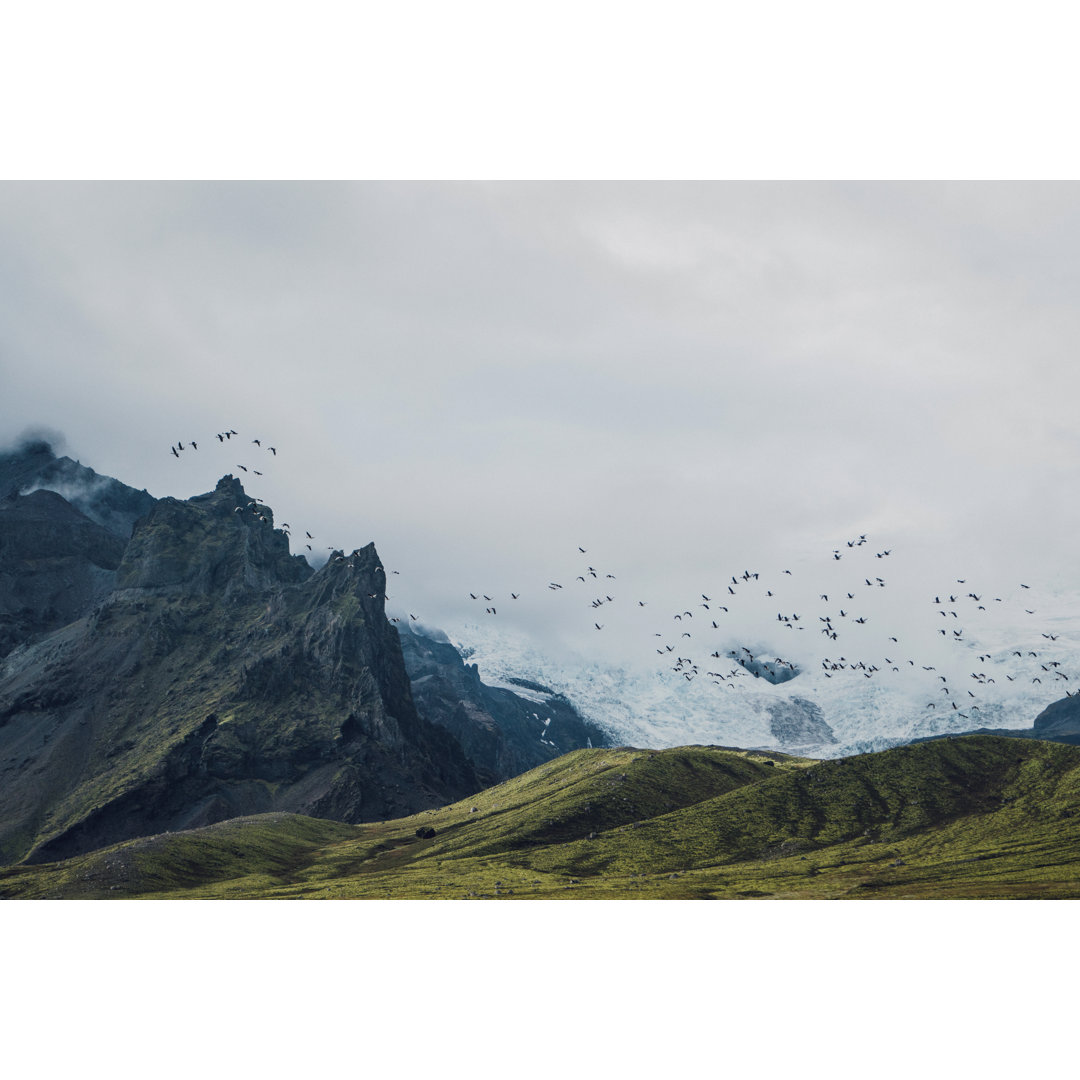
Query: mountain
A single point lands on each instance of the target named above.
(34, 466)
(174, 684)
(503, 732)
(967, 817)
(1058, 722)
(218, 676)
(55, 563)
(63, 530)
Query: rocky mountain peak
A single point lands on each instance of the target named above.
(222, 542)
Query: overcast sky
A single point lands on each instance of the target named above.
(685, 379)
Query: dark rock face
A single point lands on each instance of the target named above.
(799, 723)
(55, 564)
(776, 670)
(1059, 718)
(220, 676)
(502, 733)
(223, 543)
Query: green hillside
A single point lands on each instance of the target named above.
(979, 816)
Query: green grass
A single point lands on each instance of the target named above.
(979, 816)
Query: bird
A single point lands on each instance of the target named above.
(256, 442)
(273, 450)
(244, 467)
(175, 454)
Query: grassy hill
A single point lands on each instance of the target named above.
(979, 816)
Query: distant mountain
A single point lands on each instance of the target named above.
(219, 675)
(1058, 722)
(34, 466)
(63, 530)
(503, 732)
(55, 563)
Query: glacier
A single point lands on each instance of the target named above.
(1004, 668)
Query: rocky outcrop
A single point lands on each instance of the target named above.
(777, 670)
(796, 724)
(222, 544)
(502, 732)
(1060, 717)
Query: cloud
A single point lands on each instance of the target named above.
(686, 379)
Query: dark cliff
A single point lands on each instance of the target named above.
(503, 733)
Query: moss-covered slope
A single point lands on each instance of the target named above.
(974, 817)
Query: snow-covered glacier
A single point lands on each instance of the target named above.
(851, 694)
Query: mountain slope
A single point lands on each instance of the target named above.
(978, 816)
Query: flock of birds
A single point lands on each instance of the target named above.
(255, 507)
(715, 616)
(841, 616)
